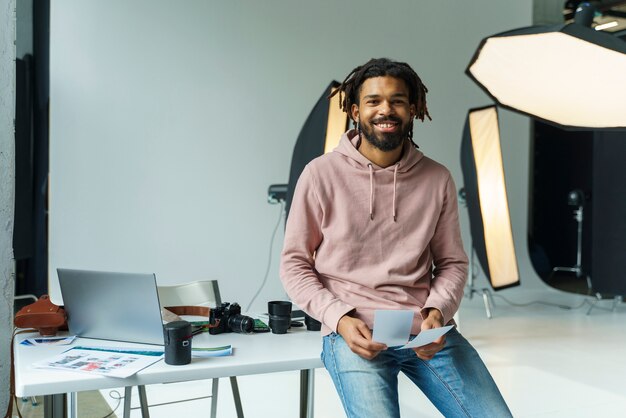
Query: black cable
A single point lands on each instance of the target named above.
(114, 394)
(533, 302)
(269, 257)
(173, 402)
(585, 301)
(475, 274)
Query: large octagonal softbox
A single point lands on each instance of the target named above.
(568, 75)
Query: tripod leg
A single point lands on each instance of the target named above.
(589, 284)
(487, 304)
(492, 301)
(616, 301)
(593, 304)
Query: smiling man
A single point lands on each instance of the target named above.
(374, 225)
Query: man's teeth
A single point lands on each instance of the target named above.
(386, 125)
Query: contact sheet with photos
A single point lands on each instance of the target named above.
(102, 361)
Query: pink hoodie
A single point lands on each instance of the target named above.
(360, 237)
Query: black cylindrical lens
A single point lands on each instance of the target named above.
(280, 316)
(241, 323)
(279, 324)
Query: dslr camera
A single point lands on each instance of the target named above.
(228, 318)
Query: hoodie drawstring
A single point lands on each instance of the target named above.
(395, 178)
(371, 192)
(395, 181)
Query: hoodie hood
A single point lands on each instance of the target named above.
(350, 141)
(348, 146)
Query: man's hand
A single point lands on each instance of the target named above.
(359, 337)
(428, 351)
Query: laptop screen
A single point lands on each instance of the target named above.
(112, 306)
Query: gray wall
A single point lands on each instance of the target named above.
(168, 121)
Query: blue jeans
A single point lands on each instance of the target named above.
(456, 380)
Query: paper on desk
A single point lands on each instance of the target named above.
(427, 336)
(392, 327)
(49, 341)
(103, 361)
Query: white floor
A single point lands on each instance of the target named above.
(547, 361)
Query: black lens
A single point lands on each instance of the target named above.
(241, 323)
(279, 324)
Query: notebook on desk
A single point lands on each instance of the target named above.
(112, 306)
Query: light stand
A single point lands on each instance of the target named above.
(472, 274)
(471, 289)
(618, 299)
(576, 198)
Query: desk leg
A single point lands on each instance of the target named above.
(72, 405)
(307, 393)
(54, 406)
(127, 394)
(237, 398)
(143, 401)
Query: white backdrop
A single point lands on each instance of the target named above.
(169, 120)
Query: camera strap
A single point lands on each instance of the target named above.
(190, 310)
(194, 311)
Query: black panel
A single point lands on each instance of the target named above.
(41, 49)
(561, 162)
(32, 271)
(609, 220)
(593, 161)
(23, 232)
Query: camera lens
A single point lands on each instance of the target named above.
(312, 324)
(280, 316)
(279, 324)
(241, 323)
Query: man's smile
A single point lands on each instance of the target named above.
(386, 125)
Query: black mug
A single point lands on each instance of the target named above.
(177, 342)
(280, 316)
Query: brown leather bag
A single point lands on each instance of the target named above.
(43, 315)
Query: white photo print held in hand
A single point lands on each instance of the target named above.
(393, 328)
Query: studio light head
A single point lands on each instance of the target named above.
(568, 75)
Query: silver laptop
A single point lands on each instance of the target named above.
(112, 306)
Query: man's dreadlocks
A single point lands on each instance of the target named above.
(350, 88)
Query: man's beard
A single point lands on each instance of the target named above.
(388, 141)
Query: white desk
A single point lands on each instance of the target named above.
(299, 349)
